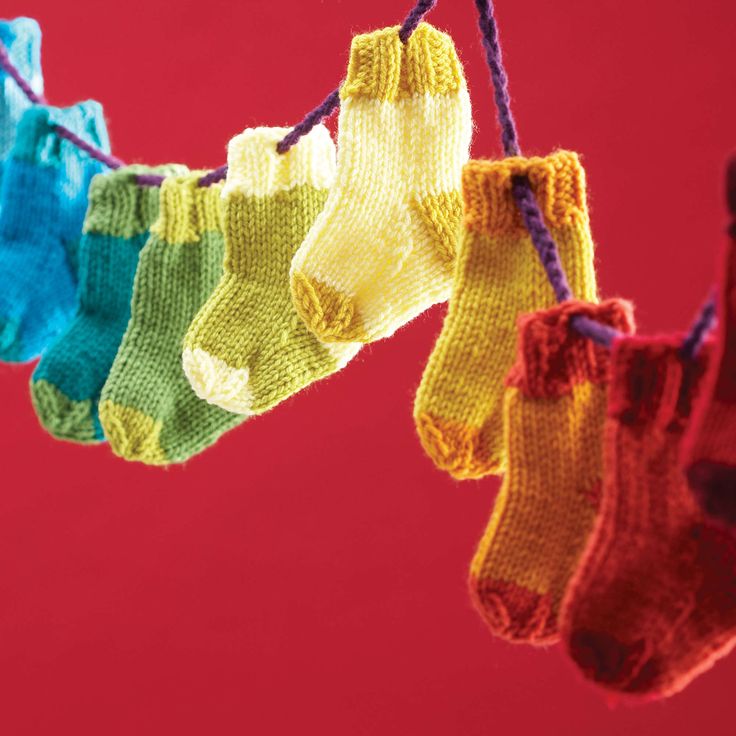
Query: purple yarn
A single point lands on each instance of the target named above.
(93, 151)
(704, 323)
(9, 68)
(214, 176)
(149, 180)
(332, 101)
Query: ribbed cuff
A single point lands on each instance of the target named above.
(22, 39)
(552, 358)
(558, 183)
(256, 168)
(122, 208)
(186, 210)
(382, 67)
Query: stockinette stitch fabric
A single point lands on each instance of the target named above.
(67, 382)
(247, 350)
(22, 41)
(383, 249)
(44, 195)
(653, 602)
(554, 409)
(458, 409)
(148, 411)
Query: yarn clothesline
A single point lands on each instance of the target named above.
(531, 214)
(521, 187)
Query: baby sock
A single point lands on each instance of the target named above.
(67, 382)
(710, 444)
(459, 405)
(21, 39)
(653, 602)
(247, 349)
(383, 249)
(44, 195)
(554, 409)
(148, 410)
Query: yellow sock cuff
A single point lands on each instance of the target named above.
(558, 181)
(256, 168)
(383, 68)
(186, 210)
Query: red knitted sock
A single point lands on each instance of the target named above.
(709, 453)
(653, 602)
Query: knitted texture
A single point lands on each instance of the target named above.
(22, 40)
(44, 195)
(653, 603)
(709, 453)
(459, 405)
(148, 410)
(383, 249)
(247, 350)
(554, 409)
(67, 383)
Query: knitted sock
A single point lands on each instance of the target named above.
(247, 350)
(44, 195)
(383, 249)
(554, 410)
(710, 444)
(148, 410)
(653, 602)
(459, 404)
(22, 40)
(67, 382)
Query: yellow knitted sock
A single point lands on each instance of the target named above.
(458, 408)
(554, 410)
(383, 249)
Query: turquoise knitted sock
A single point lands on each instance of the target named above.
(44, 196)
(22, 40)
(66, 384)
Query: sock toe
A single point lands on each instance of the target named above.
(514, 612)
(214, 381)
(63, 417)
(330, 315)
(132, 434)
(606, 660)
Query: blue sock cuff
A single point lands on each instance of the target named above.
(22, 39)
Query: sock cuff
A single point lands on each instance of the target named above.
(558, 182)
(121, 207)
(257, 169)
(22, 39)
(186, 210)
(381, 67)
(37, 140)
(552, 358)
(651, 384)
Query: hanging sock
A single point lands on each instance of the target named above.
(44, 196)
(247, 350)
(653, 603)
(554, 409)
(383, 249)
(459, 405)
(66, 384)
(21, 38)
(709, 454)
(148, 410)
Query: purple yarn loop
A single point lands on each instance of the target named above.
(531, 215)
(332, 101)
(9, 68)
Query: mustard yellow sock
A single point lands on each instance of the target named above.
(554, 411)
(383, 249)
(459, 405)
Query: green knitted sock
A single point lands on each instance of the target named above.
(248, 350)
(148, 410)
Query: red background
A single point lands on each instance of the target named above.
(308, 573)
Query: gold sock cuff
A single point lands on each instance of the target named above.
(186, 210)
(256, 168)
(558, 182)
(383, 68)
(121, 207)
